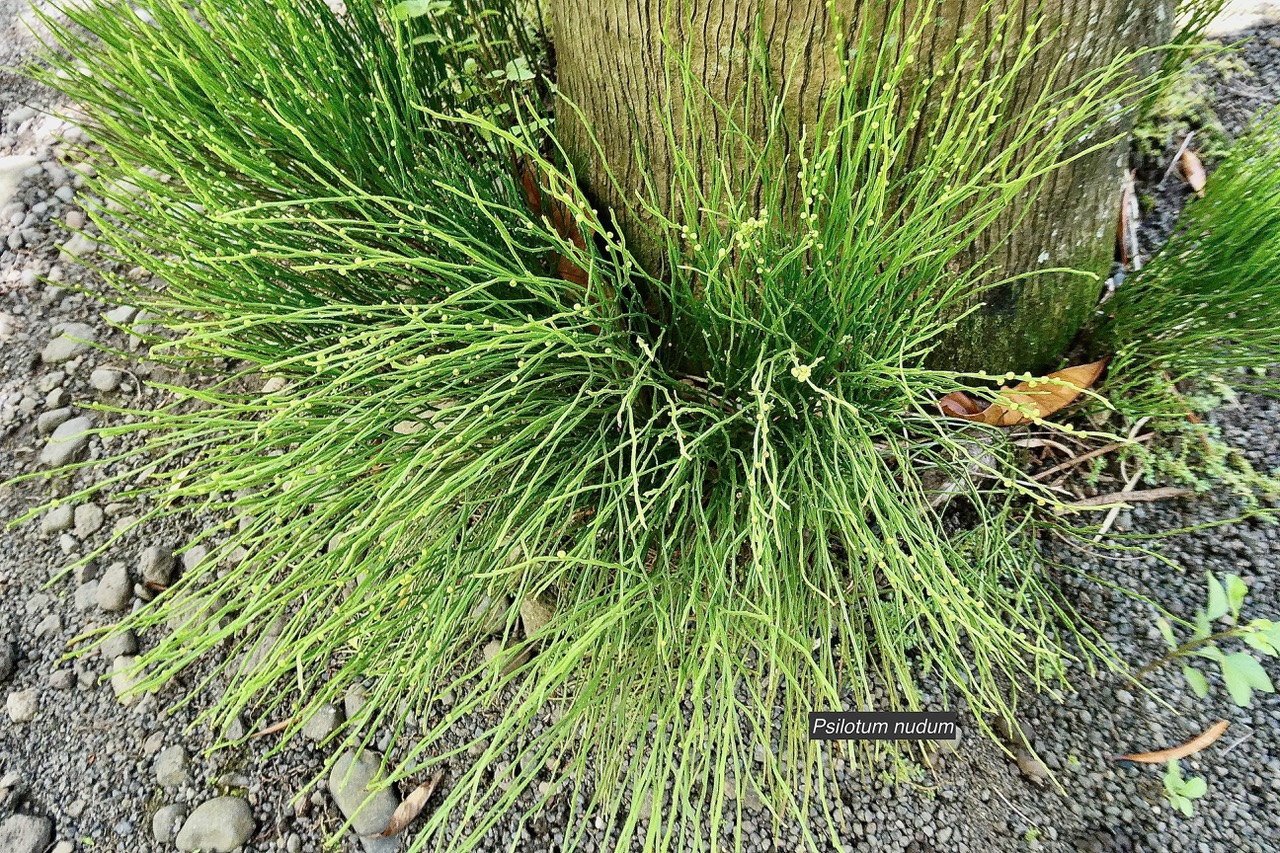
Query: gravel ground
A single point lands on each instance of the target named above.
(80, 771)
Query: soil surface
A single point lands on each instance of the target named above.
(79, 770)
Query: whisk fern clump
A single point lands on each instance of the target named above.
(466, 443)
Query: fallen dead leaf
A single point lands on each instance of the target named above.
(959, 404)
(1127, 198)
(1028, 401)
(1193, 171)
(1177, 158)
(411, 807)
(273, 728)
(528, 182)
(571, 272)
(1194, 745)
(557, 214)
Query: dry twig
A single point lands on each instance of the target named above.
(1177, 158)
(273, 728)
(1092, 454)
(1126, 496)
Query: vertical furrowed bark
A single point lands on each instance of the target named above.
(613, 66)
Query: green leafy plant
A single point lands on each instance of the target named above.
(1241, 672)
(1182, 792)
(448, 469)
(1195, 322)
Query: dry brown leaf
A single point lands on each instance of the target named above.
(1044, 398)
(959, 404)
(273, 728)
(571, 272)
(528, 182)
(1193, 171)
(558, 214)
(1194, 745)
(1028, 401)
(1122, 225)
(411, 807)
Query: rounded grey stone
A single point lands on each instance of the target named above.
(56, 520)
(50, 421)
(25, 834)
(166, 821)
(354, 700)
(22, 706)
(67, 441)
(350, 782)
(73, 340)
(86, 595)
(155, 565)
(171, 767)
(89, 519)
(490, 614)
(323, 722)
(114, 588)
(221, 824)
(122, 682)
(124, 643)
(105, 379)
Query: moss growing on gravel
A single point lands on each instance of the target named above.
(1187, 104)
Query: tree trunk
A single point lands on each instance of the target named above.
(612, 66)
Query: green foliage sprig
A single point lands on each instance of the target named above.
(1182, 792)
(1241, 671)
(1201, 307)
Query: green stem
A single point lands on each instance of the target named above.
(1187, 648)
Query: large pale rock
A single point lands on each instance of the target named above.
(115, 588)
(105, 379)
(350, 782)
(73, 340)
(79, 247)
(22, 705)
(221, 824)
(12, 171)
(490, 613)
(25, 834)
(171, 767)
(166, 821)
(535, 614)
(323, 723)
(155, 565)
(56, 520)
(89, 519)
(122, 682)
(67, 442)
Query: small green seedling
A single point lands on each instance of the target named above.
(1241, 671)
(1180, 792)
